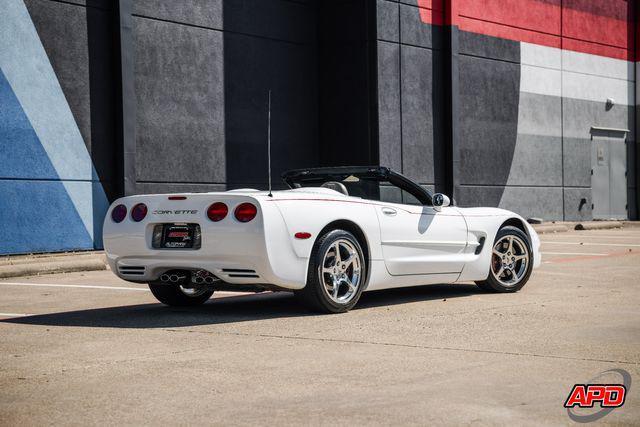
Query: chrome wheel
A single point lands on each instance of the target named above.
(193, 292)
(510, 260)
(340, 271)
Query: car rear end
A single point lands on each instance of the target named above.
(199, 239)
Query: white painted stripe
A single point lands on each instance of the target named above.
(57, 285)
(26, 66)
(600, 236)
(605, 66)
(540, 56)
(115, 288)
(572, 253)
(597, 88)
(15, 314)
(589, 244)
(555, 72)
(578, 62)
(545, 81)
(540, 81)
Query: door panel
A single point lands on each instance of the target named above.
(618, 178)
(600, 178)
(420, 240)
(609, 177)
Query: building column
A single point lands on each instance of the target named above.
(126, 102)
(452, 97)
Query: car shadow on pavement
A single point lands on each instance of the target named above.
(234, 309)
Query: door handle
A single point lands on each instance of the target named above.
(389, 211)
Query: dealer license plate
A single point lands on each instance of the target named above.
(178, 236)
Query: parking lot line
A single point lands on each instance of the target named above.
(603, 236)
(15, 314)
(587, 257)
(572, 253)
(55, 285)
(589, 244)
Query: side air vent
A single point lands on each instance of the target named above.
(480, 245)
(131, 270)
(240, 273)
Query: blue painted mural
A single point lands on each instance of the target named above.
(50, 196)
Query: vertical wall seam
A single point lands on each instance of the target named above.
(373, 155)
(564, 213)
(451, 102)
(127, 95)
(637, 104)
(400, 87)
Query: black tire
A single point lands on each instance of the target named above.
(173, 296)
(491, 284)
(314, 295)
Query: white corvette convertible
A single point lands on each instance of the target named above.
(335, 233)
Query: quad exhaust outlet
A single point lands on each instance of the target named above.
(172, 278)
(200, 277)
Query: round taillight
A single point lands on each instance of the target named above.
(217, 211)
(245, 212)
(138, 212)
(119, 213)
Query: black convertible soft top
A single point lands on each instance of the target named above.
(306, 177)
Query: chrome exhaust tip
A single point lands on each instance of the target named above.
(165, 278)
(208, 280)
(198, 280)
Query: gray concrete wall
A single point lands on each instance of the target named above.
(203, 71)
(410, 92)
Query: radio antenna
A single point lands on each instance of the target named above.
(269, 144)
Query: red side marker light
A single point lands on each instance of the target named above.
(302, 235)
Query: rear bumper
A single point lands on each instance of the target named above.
(255, 252)
(148, 269)
(245, 270)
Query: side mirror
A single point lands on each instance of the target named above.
(440, 201)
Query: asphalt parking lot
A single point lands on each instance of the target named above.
(87, 348)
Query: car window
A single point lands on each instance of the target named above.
(393, 194)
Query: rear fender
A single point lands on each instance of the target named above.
(312, 216)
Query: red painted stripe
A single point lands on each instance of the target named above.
(598, 27)
(534, 15)
(597, 49)
(611, 27)
(511, 33)
(431, 11)
(371, 203)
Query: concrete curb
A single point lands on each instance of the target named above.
(598, 225)
(549, 228)
(632, 224)
(32, 265)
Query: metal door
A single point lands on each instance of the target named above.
(609, 176)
